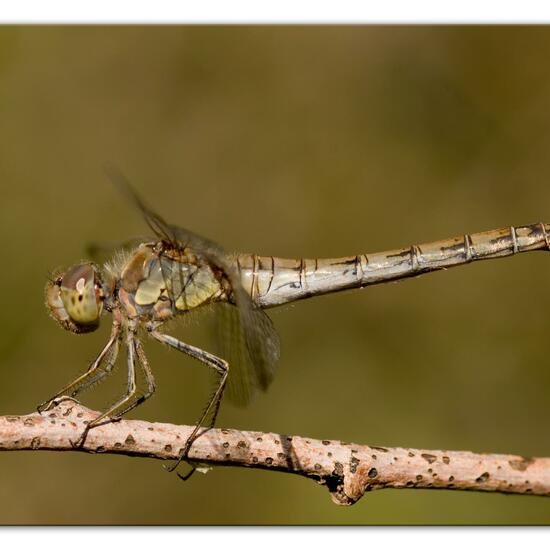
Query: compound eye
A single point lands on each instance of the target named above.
(81, 295)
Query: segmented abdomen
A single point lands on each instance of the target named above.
(274, 281)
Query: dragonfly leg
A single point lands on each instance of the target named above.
(151, 386)
(109, 352)
(212, 361)
(123, 403)
(102, 373)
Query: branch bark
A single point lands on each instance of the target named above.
(347, 470)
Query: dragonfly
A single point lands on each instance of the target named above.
(179, 271)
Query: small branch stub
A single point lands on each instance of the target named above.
(347, 470)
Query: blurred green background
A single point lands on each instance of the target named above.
(289, 141)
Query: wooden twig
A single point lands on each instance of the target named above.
(347, 470)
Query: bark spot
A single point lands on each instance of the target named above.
(281, 456)
(451, 478)
(338, 469)
(241, 444)
(326, 442)
(446, 460)
(12, 418)
(28, 422)
(118, 445)
(317, 466)
(130, 440)
(168, 448)
(269, 461)
(353, 465)
(381, 449)
(100, 449)
(410, 454)
(225, 445)
(259, 439)
(373, 472)
(35, 443)
(255, 459)
(483, 477)
(428, 457)
(418, 477)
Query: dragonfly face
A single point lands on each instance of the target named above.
(75, 298)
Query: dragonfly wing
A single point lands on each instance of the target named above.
(252, 353)
(231, 345)
(160, 228)
(262, 341)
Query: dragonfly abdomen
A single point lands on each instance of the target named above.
(274, 281)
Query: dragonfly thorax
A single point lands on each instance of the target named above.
(157, 282)
(75, 298)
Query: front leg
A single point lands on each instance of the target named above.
(110, 351)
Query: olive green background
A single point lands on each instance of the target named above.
(290, 141)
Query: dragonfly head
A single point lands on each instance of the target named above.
(75, 298)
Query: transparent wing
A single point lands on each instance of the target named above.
(250, 367)
(178, 236)
(231, 345)
(255, 327)
(262, 342)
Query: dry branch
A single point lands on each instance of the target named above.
(347, 470)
